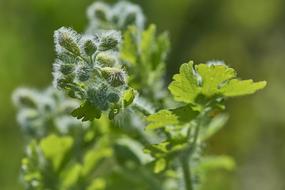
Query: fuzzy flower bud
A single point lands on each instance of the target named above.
(98, 97)
(106, 59)
(67, 39)
(66, 58)
(128, 14)
(83, 73)
(99, 11)
(89, 46)
(66, 68)
(115, 76)
(25, 98)
(113, 97)
(109, 40)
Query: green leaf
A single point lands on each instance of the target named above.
(213, 76)
(184, 114)
(217, 162)
(128, 97)
(129, 47)
(55, 148)
(87, 112)
(209, 80)
(98, 184)
(163, 46)
(157, 150)
(147, 44)
(161, 119)
(71, 176)
(176, 116)
(236, 87)
(185, 87)
(93, 157)
(160, 165)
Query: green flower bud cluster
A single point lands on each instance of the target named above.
(119, 16)
(94, 75)
(40, 112)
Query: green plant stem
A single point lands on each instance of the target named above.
(187, 173)
(185, 160)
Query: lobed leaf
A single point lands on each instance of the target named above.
(209, 80)
(129, 47)
(55, 148)
(212, 76)
(184, 87)
(176, 116)
(236, 87)
(86, 112)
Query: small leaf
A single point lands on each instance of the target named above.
(71, 176)
(176, 116)
(147, 44)
(55, 148)
(129, 49)
(98, 184)
(161, 119)
(217, 162)
(93, 157)
(161, 50)
(86, 112)
(128, 97)
(160, 165)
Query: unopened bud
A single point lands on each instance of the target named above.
(98, 10)
(116, 77)
(89, 47)
(25, 97)
(64, 80)
(98, 97)
(66, 58)
(67, 39)
(130, 18)
(113, 97)
(66, 68)
(83, 73)
(106, 59)
(109, 40)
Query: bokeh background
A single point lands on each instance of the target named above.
(249, 35)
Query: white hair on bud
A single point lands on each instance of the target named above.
(50, 104)
(123, 8)
(112, 33)
(85, 38)
(58, 35)
(22, 92)
(115, 17)
(97, 6)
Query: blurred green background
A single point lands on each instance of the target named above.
(249, 35)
